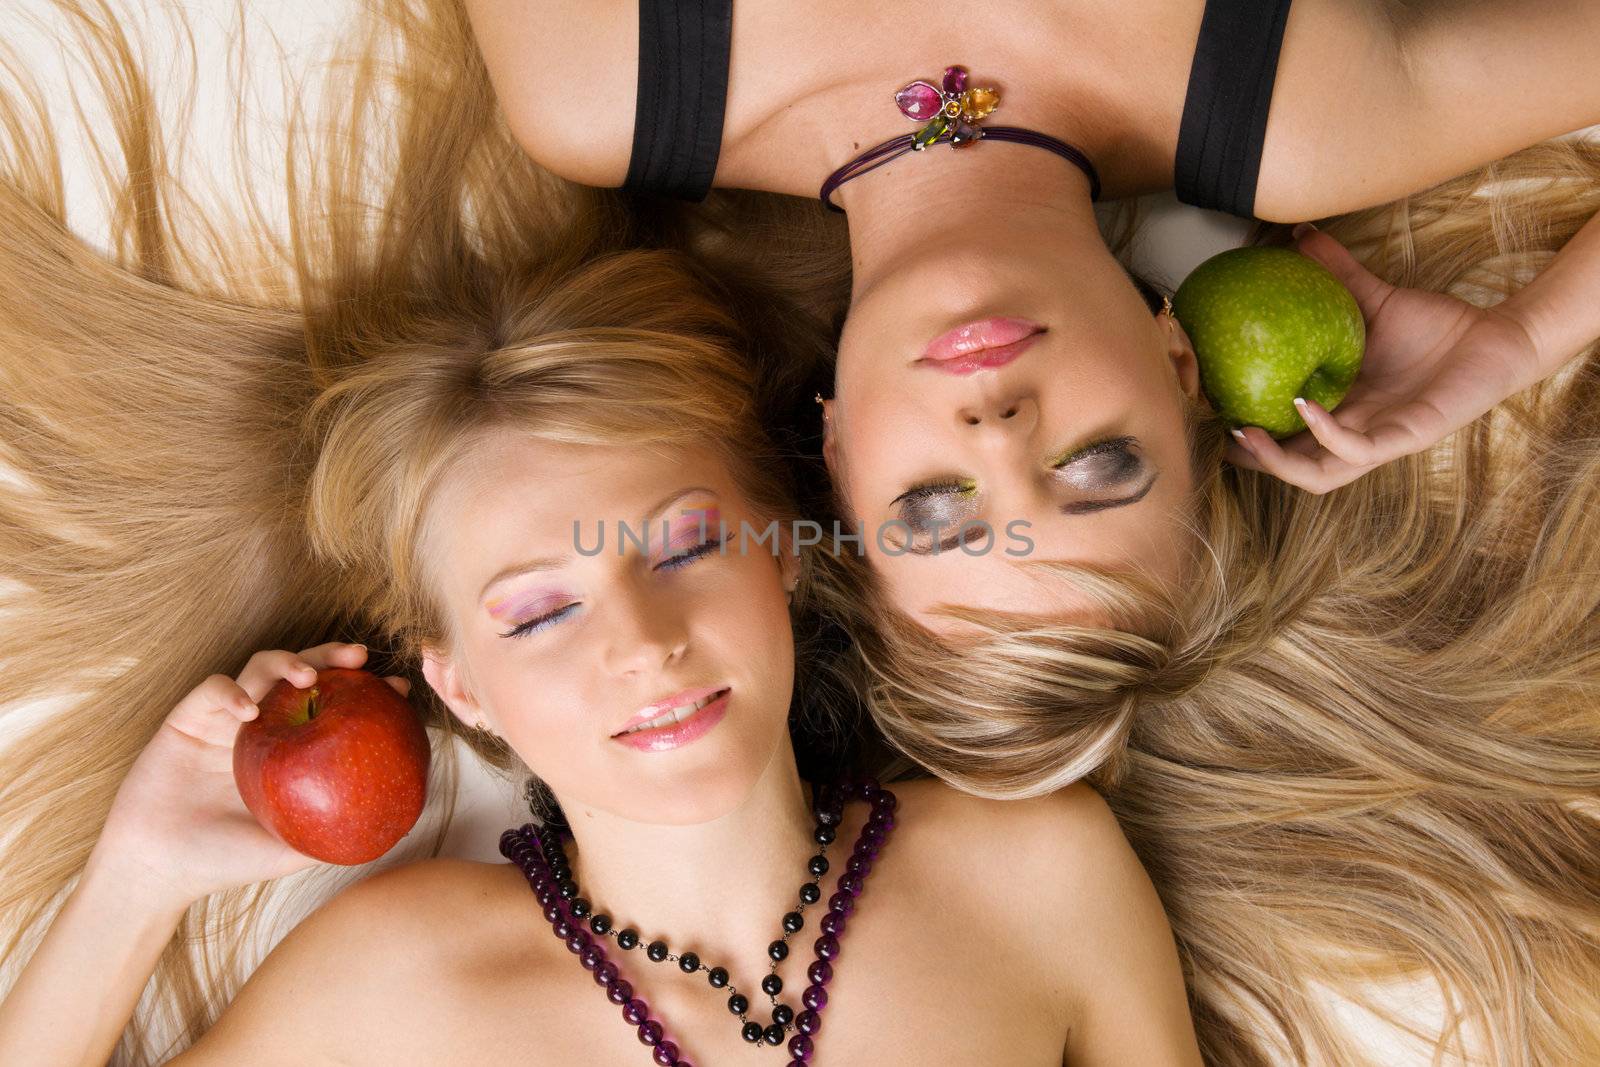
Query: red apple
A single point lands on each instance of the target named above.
(338, 771)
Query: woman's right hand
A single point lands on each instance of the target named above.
(178, 829)
(1432, 365)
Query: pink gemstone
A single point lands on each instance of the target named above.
(955, 79)
(919, 100)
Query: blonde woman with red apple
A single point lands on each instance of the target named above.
(657, 693)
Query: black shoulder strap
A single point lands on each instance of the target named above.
(1225, 111)
(683, 90)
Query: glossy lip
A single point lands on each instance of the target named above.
(678, 734)
(674, 735)
(980, 345)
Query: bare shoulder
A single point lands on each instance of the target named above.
(565, 73)
(1378, 99)
(1058, 880)
(1058, 846)
(370, 954)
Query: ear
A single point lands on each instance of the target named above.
(830, 440)
(444, 676)
(788, 559)
(1180, 350)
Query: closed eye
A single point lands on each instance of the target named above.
(541, 622)
(939, 505)
(682, 559)
(1101, 467)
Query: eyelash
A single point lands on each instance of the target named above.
(1112, 444)
(683, 559)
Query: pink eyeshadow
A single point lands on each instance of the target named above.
(525, 606)
(686, 530)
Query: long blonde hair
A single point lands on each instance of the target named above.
(228, 446)
(1364, 742)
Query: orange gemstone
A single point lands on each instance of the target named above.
(977, 103)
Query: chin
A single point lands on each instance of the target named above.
(716, 782)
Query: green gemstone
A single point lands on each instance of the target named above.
(930, 133)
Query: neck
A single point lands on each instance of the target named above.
(717, 888)
(983, 196)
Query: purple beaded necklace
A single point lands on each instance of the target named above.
(543, 860)
(952, 115)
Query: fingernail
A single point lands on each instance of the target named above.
(1238, 435)
(1300, 405)
(249, 710)
(1304, 228)
(360, 646)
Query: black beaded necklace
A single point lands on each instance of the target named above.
(542, 857)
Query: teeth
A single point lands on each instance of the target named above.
(673, 714)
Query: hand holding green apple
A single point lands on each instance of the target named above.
(1269, 325)
(1433, 363)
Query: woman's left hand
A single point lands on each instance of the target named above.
(1432, 365)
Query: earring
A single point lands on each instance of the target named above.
(1166, 307)
(818, 398)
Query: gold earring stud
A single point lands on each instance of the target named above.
(1166, 307)
(818, 398)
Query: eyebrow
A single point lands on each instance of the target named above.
(1082, 507)
(546, 563)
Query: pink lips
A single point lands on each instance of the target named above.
(677, 734)
(981, 345)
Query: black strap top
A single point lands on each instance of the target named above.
(1225, 108)
(683, 88)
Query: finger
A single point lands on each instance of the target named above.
(212, 711)
(267, 668)
(1315, 474)
(1369, 290)
(1303, 443)
(1239, 455)
(401, 685)
(335, 654)
(1349, 445)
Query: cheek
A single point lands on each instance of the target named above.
(547, 726)
(744, 627)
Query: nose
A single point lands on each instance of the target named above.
(646, 630)
(1011, 411)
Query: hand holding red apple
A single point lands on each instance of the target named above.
(178, 829)
(337, 770)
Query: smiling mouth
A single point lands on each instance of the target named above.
(673, 715)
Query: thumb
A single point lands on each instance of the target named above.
(1369, 290)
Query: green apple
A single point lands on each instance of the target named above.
(1268, 325)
